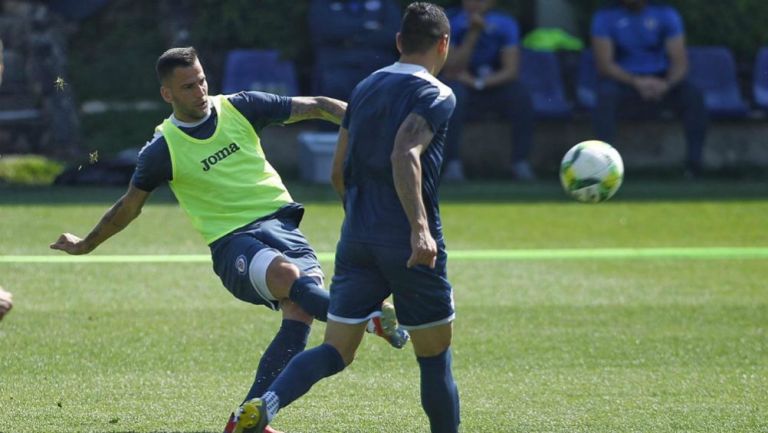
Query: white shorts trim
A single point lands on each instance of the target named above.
(317, 274)
(349, 321)
(448, 319)
(257, 272)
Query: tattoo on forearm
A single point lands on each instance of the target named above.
(300, 109)
(107, 219)
(412, 139)
(335, 109)
(112, 212)
(317, 108)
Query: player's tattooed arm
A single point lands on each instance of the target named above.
(125, 210)
(317, 107)
(339, 155)
(411, 141)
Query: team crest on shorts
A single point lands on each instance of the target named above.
(240, 263)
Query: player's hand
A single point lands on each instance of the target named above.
(6, 302)
(71, 244)
(423, 249)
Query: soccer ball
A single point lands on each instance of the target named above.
(591, 171)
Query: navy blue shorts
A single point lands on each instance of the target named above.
(367, 274)
(233, 254)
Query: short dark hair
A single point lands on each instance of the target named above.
(174, 58)
(422, 26)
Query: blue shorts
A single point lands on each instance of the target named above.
(367, 274)
(232, 255)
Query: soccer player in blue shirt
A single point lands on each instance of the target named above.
(640, 54)
(386, 170)
(210, 154)
(482, 70)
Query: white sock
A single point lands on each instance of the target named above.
(272, 402)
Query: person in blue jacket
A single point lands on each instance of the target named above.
(482, 70)
(640, 54)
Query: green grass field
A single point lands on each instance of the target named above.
(636, 343)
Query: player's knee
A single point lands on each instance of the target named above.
(280, 276)
(431, 341)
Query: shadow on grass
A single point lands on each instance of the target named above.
(646, 188)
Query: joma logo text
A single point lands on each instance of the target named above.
(218, 156)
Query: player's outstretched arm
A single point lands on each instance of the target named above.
(125, 210)
(317, 107)
(411, 141)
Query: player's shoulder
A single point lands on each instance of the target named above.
(413, 77)
(157, 145)
(430, 88)
(434, 89)
(261, 108)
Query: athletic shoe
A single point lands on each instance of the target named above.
(251, 417)
(230, 428)
(230, 424)
(386, 327)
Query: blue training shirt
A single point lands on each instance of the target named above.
(501, 31)
(378, 106)
(639, 38)
(261, 109)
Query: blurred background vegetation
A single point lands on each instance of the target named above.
(132, 31)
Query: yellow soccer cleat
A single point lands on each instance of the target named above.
(251, 417)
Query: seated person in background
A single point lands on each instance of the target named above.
(482, 70)
(351, 39)
(640, 54)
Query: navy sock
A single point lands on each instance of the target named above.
(439, 394)
(305, 370)
(289, 341)
(311, 297)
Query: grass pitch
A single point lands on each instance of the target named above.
(652, 344)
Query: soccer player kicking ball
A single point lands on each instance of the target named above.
(210, 154)
(387, 169)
